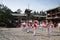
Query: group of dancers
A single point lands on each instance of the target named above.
(35, 24)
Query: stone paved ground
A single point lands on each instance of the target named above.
(17, 34)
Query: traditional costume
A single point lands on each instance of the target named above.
(28, 26)
(35, 27)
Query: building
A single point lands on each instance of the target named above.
(53, 14)
(24, 16)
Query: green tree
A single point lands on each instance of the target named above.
(5, 13)
(42, 13)
(34, 12)
(19, 11)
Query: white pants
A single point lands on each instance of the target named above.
(35, 30)
(22, 28)
(28, 28)
(51, 30)
(48, 31)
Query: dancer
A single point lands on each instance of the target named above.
(28, 26)
(48, 29)
(35, 24)
(51, 26)
(41, 26)
(59, 25)
(21, 24)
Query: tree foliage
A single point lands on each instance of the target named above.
(5, 13)
(19, 11)
(42, 13)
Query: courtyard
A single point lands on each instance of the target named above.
(17, 34)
